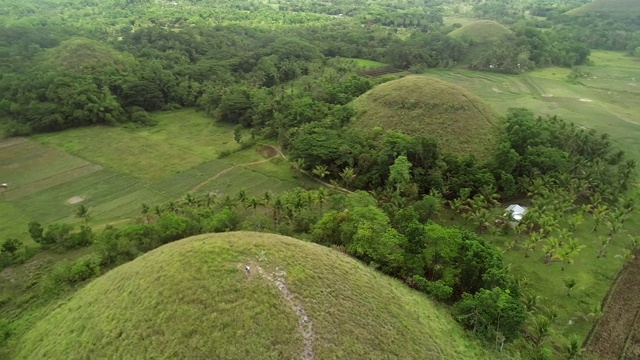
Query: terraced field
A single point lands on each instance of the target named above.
(114, 170)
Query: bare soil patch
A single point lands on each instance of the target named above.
(619, 319)
(586, 100)
(75, 200)
(267, 151)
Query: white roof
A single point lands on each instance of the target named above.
(517, 211)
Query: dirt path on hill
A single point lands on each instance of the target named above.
(305, 325)
(615, 330)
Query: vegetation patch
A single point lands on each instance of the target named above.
(221, 309)
(419, 105)
(627, 8)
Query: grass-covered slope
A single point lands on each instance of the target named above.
(192, 299)
(482, 31)
(612, 7)
(420, 105)
(483, 35)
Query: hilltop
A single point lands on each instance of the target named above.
(612, 7)
(482, 32)
(194, 299)
(420, 105)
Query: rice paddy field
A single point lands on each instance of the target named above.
(113, 170)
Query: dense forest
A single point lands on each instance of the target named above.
(71, 66)
(285, 71)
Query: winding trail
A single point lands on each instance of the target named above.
(305, 325)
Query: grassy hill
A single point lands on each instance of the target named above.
(483, 35)
(193, 299)
(613, 7)
(421, 105)
(482, 32)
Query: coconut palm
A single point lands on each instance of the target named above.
(348, 175)
(540, 330)
(604, 242)
(569, 284)
(599, 214)
(320, 171)
(550, 248)
(572, 349)
(83, 213)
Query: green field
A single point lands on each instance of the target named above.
(116, 169)
(197, 296)
(607, 102)
(368, 63)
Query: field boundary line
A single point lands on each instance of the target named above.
(627, 342)
(603, 306)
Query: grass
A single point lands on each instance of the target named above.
(457, 119)
(369, 64)
(200, 288)
(614, 7)
(115, 170)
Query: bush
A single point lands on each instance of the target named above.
(71, 273)
(491, 312)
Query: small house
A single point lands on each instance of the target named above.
(517, 212)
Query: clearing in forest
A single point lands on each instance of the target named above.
(298, 300)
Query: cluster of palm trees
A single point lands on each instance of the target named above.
(280, 208)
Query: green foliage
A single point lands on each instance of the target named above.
(491, 313)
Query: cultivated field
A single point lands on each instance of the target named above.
(114, 170)
(608, 100)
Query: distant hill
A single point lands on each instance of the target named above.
(482, 31)
(612, 7)
(484, 34)
(193, 299)
(421, 105)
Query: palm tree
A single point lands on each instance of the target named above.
(242, 196)
(531, 243)
(298, 164)
(145, 212)
(572, 349)
(569, 284)
(599, 214)
(321, 196)
(253, 203)
(320, 171)
(604, 243)
(83, 213)
(482, 219)
(540, 330)
(550, 248)
(574, 221)
(348, 175)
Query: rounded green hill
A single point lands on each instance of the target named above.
(421, 105)
(195, 299)
(482, 32)
(482, 35)
(624, 8)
